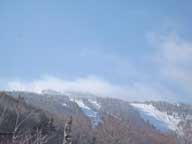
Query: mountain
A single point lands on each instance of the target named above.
(22, 122)
(99, 120)
(166, 117)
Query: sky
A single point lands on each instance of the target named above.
(133, 50)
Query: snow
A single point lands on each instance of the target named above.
(95, 103)
(81, 104)
(90, 113)
(161, 120)
(64, 104)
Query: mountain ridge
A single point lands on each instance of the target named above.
(99, 114)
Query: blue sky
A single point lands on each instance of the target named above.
(128, 49)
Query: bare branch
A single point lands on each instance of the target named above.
(2, 117)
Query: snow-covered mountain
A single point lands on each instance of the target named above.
(175, 118)
(161, 120)
(157, 119)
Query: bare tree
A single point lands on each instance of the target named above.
(2, 116)
(28, 138)
(67, 132)
(18, 121)
(40, 138)
(22, 137)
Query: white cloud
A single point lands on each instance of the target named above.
(89, 84)
(174, 59)
(137, 91)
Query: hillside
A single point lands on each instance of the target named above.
(98, 120)
(20, 121)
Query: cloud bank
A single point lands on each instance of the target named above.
(137, 91)
(171, 56)
(90, 84)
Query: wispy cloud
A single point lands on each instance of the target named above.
(90, 84)
(173, 56)
(93, 85)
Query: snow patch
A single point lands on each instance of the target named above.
(95, 103)
(90, 113)
(161, 120)
(81, 104)
(64, 104)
